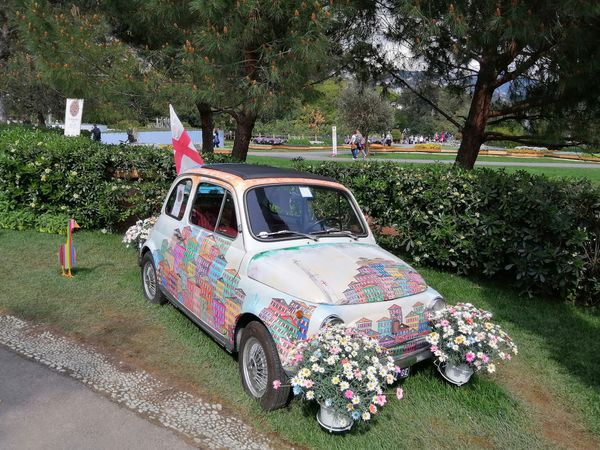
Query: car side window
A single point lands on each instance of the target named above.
(228, 221)
(178, 199)
(207, 206)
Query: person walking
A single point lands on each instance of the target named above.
(96, 134)
(355, 144)
(363, 146)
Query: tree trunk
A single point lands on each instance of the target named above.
(3, 117)
(243, 134)
(41, 119)
(474, 130)
(206, 119)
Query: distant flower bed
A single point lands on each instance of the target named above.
(269, 140)
(428, 146)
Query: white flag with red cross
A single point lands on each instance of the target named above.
(186, 155)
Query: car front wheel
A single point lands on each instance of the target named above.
(260, 366)
(150, 281)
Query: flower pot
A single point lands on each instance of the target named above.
(333, 421)
(457, 375)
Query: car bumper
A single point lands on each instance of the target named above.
(406, 360)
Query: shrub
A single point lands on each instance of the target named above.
(47, 178)
(542, 235)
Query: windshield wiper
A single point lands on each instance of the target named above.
(265, 234)
(337, 231)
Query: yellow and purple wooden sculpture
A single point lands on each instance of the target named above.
(66, 251)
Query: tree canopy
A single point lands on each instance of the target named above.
(520, 61)
(364, 108)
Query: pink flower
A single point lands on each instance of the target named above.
(434, 348)
(485, 358)
(297, 358)
(334, 350)
(357, 374)
(444, 323)
(348, 394)
(276, 384)
(398, 369)
(380, 400)
(469, 357)
(399, 393)
(308, 383)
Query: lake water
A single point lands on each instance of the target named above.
(149, 137)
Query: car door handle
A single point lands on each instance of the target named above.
(177, 234)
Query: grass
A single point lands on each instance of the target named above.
(553, 172)
(449, 157)
(103, 305)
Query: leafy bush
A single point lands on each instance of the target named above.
(542, 235)
(47, 178)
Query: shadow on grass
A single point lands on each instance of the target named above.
(569, 333)
(86, 270)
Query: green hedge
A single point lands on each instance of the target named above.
(47, 178)
(539, 234)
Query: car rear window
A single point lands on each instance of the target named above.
(178, 199)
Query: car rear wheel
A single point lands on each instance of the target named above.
(150, 281)
(260, 366)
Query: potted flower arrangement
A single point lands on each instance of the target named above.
(464, 340)
(346, 372)
(137, 234)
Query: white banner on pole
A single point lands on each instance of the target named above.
(73, 112)
(334, 141)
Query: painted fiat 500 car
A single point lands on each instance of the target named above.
(260, 257)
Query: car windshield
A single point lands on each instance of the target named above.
(292, 210)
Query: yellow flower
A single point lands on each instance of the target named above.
(335, 380)
(459, 339)
(305, 372)
(488, 326)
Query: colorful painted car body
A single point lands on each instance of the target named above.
(237, 244)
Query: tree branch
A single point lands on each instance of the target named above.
(426, 100)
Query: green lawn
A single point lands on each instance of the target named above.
(450, 157)
(591, 174)
(549, 395)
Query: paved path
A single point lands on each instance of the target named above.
(41, 409)
(325, 156)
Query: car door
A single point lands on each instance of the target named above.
(168, 231)
(214, 250)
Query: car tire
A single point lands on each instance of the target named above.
(260, 365)
(150, 285)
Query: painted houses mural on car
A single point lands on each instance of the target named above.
(288, 322)
(315, 270)
(194, 271)
(400, 334)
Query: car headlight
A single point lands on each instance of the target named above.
(437, 304)
(331, 321)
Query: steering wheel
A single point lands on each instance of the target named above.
(318, 225)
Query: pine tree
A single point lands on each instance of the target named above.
(543, 56)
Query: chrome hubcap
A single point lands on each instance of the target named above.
(149, 280)
(256, 371)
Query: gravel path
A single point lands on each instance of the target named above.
(203, 422)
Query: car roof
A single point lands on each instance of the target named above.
(255, 172)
